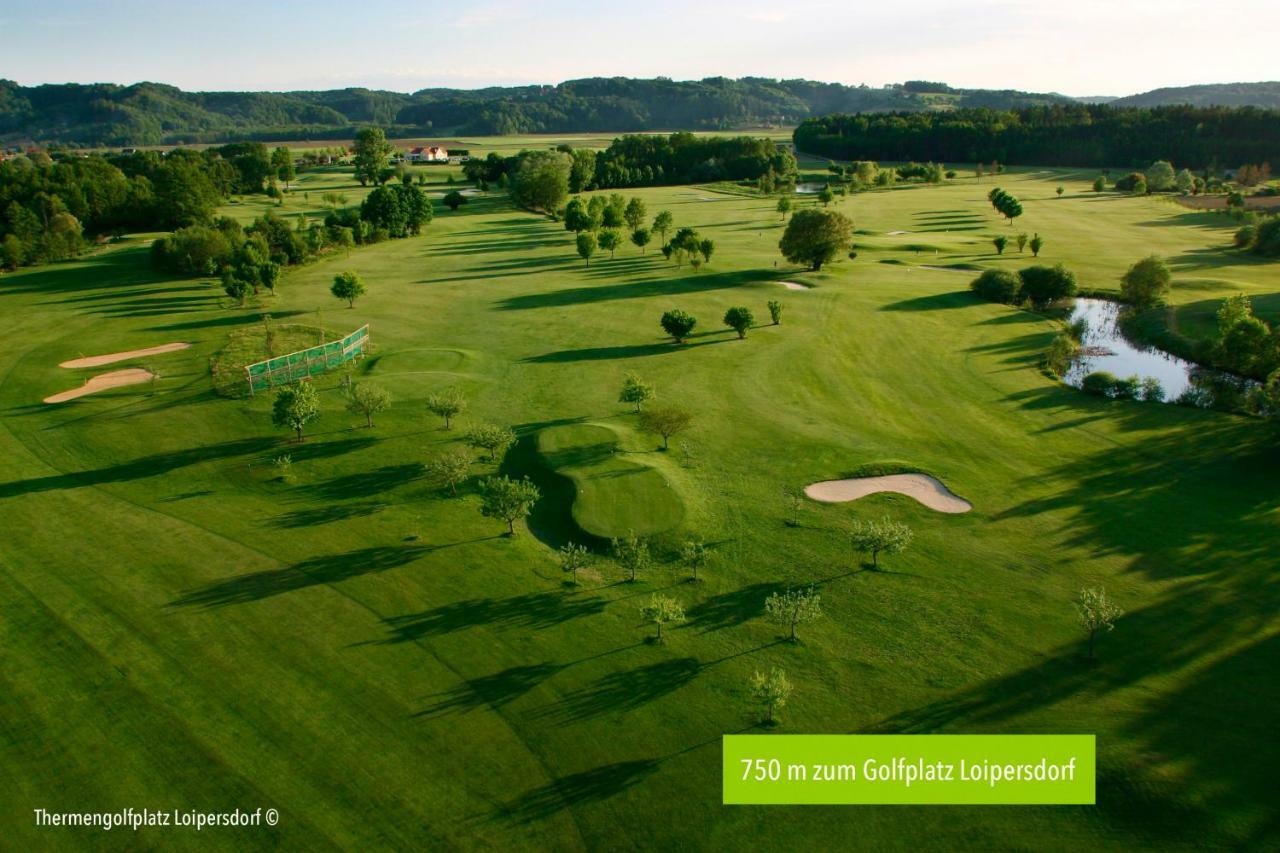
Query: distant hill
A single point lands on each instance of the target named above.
(1209, 95)
(153, 113)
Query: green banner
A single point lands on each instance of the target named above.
(907, 769)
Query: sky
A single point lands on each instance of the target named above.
(1081, 47)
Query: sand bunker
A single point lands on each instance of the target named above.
(794, 285)
(111, 358)
(925, 489)
(103, 381)
(896, 233)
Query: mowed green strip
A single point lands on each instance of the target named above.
(377, 661)
(614, 496)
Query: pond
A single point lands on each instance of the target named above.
(810, 188)
(1106, 348)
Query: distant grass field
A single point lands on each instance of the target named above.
(183, 628)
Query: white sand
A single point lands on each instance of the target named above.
(897, 233)
(111, 358)
(927, 490)
(794, 285)
(103, 381)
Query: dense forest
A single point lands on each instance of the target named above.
(1075, 135)
(152, 114)
(1208, 95)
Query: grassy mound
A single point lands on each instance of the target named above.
(612, 493)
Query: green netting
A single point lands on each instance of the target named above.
(284, 369)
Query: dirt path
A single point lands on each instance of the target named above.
(113, 357)
(103, 381)
(927, 490)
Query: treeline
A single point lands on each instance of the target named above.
(1062, 135)
(651, 160)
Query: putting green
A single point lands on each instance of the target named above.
(612, 494)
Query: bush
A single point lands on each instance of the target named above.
(1042, 285)
(1267, 241)
(194, 250)
(1100, 383)
(997, 286)
(1062, 351)
(1146, 283)
(1245, 236)
(1127, 389)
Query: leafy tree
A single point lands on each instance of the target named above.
(586, 242)
(576, 217)
(706, 248)
(1100, 183)
(1152, 391)
(1037, 243)
(282, 163)
(793, 608)
(635, 392)
(12, 252)
(641, 237)
(491, 438)
(660, 611)
(1185, 182)
(997, 286)
(826, 196)
(348, 285)
(695, 555)
(814, 237)
(665, 421)
(794, 499)
(295, 406)
(775, 311)
(454, 199)
(450, 469)
(1097, 613)
(610, 239)
(447, 404)
(368, 400)
(1060, 190)
(507, 499)
(615, 211)
(635, 214)
(784, 206)
(372, 153)
(1042, 285)
(540, 180)
(632, 553)
(574, 557)
(771, 691)
(1146, 283)
(236, 288)
(874, 537)
(662, 223)
(1000, 241)
(1022, 241)
(740, 319)
(1160, 176)
(678, 324)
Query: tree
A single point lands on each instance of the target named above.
(540, 180)
(1184, 182)
(1000, 241)
(1097, 613)
(454, 199)
(635, 214)
(574, 557)
(1100, 183)
(295, 406)
(1042, 285)
(662, 223)
(826, 196)
(873, 537)
(1060, 190)
(610, 239)
(641, 237)
(1160, 176)
(814, 237)
(997, 286)
(635, 392)
(1037, 243)
(450, 469)
(12, 252)
(348, 285)
(372, 153)
(490, 437)
(632, 553)
(665, 421)
(282, 163)
(368, 400)
(793, 608)
(661, 610)
(695, 555)
(1022, 240)
(784, 206)
(772, 692)
(739, 319)
(586, 242)
(775, 311)
(706, 248)
(507, 499)
(447, 404)
(678, 324)
(235, 287)
(1146, 283)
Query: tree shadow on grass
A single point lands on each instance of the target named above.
(634, 290)
(599, 783)
(617, 352)
(731, 609)
(622, 691)
(366, 485)
(495, 690)
(222, 321)
(327, 514)
(529, 611)
(934, 302)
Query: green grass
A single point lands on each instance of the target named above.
(182, 629)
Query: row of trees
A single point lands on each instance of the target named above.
(1005, 204)
(1036, 285)
(1036, 243)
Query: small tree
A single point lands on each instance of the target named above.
(1022, 241)
(635, 213)
(662, 223)
(873, 537)
(635, 392)
(454, 199)
(348, 285)
(1000, 242)
(1097, 613)
(368, 400)
(447, 404)
(794, 499)
(661, 610)
(739, 319)
(586, 242)
(507, 499)
(784, 206)
(678, 324)
(572, 558)
(1060, 190)
(665, 421)
(492, 438)
(295, 406)
(706, 248)
(775, 311)
(695, 555)
(641, 237)
(1146, 283)
(610, 239)
(826, 196)
(1037, 243)
(1100, 183)
(632, 553)
(771, 691)
(793, 608)
(450, 469)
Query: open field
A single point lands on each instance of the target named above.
(372, 658)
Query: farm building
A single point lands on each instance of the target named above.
(431, 154)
